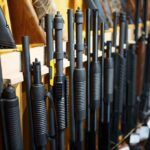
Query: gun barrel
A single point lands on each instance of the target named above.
(27, 76)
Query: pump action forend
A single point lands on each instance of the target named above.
(50, 63)
(71, 57)
(108, 95)
(60, 84)
(79, 83)
(94, 82)
(88, 48)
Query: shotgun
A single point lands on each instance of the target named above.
(146, 86)
(108, 97)
(119, 80)
(88, 48)
(71, 57)
(27, 78)
(60, 85)
(131, 88)
(101, 116)
(38, 101)
(12, 118)
(95, 74)
(50, 64)
(79, 83)
(115, 108)
(141, 53)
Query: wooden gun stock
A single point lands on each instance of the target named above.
(24, 21)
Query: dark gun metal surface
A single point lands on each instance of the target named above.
(95, 4)
(71, 71)
(88, 48)
(79, 83)
(95, 79)
(50, 63)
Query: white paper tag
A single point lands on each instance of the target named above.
(124, 148)
(134, 139)
(144, 133)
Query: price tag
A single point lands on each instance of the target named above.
(143, 132)
(134, 139)
(126, 147)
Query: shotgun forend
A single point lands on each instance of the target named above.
(60, 84)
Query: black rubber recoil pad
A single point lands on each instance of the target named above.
(60, 102)
(12, 118)
(80, 93)
(109, 77)
(95, 84)
(39, 114)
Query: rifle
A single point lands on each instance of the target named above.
(79, 83)
(88, 48)
(50, 64)
(71, 56)
(95, 74)
(60, 84)
(6, 38)
(95, 4)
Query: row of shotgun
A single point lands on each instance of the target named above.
(105, 98)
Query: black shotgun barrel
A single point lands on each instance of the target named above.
(71, 57)
(50, 63)
(12, 118)
(39, 113)
(79, 83)
(95, 79)
(60, 84)
(88, 48)
(27, 78)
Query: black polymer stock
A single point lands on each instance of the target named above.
(71, 58)
(60, 85)
(50, 64)
(36, 95)
(10, 117)
(79, 83)
(88, 48)
(95, 78)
